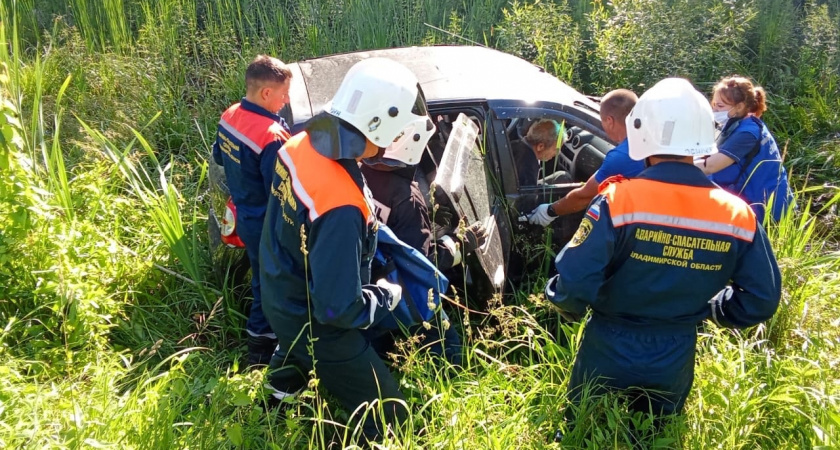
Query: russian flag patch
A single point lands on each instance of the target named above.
(594, 211)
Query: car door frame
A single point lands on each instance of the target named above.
(492, 165)
(521, 200)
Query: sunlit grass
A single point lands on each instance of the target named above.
(114, 335)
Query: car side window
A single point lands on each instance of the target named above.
(535, 145)
(437, 144)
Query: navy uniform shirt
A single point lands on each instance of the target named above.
(652, 251)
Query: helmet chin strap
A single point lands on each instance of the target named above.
(382, 162)
(378, 160)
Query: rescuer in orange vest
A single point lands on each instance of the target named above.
(652, 251)
(320, 236)
(249, 134)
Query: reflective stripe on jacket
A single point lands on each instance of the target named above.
(247, 140)
(319, 240)
(652, 251)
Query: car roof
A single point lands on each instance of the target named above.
(446, 73)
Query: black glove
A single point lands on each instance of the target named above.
(474, 237)
(443, 216)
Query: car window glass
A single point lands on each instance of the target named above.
(538, 164)
(427, 168)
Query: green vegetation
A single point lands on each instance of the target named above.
(115, 334)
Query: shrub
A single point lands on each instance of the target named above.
(544, 33)
(638, 42)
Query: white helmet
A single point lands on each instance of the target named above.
(671, 118)
(383, 100)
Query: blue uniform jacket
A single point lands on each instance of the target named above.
(651, 252)
(758, 172)
(320, 233)
(618, 162)
(246, 145)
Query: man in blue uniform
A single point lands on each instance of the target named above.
(651, 252)
(320, 238)
(249, 135)
(614, 108)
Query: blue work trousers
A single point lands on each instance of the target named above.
(653, 366)
(257, 324)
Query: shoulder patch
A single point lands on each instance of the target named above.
(582, 233)
(594, 211)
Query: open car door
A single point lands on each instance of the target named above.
(462, 178)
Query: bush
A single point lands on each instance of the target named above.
(544, 33)
(638, 42)
(805, 109)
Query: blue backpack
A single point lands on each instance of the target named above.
(421, 282)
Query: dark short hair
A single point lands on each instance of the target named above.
(265, 69)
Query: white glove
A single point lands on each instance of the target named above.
(716, 304)
(539, 216)
(394, 289)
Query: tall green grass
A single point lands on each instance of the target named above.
(162, 201)
(544, 33)
(112, 333)
(102, 23)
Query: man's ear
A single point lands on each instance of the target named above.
(265, 93)
(607, 123)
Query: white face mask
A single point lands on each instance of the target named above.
(721, 116)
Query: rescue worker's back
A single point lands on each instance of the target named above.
(319, 200)
(319, 240)
(678, 244)
(654, 255)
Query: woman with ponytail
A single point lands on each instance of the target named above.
(748, 162)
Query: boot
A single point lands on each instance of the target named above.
(260, 349)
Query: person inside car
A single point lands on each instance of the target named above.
(615, 106)
(538, 145)
(652, 251)
(320, 238)
(249, 134)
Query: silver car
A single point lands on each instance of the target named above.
(502, 95)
